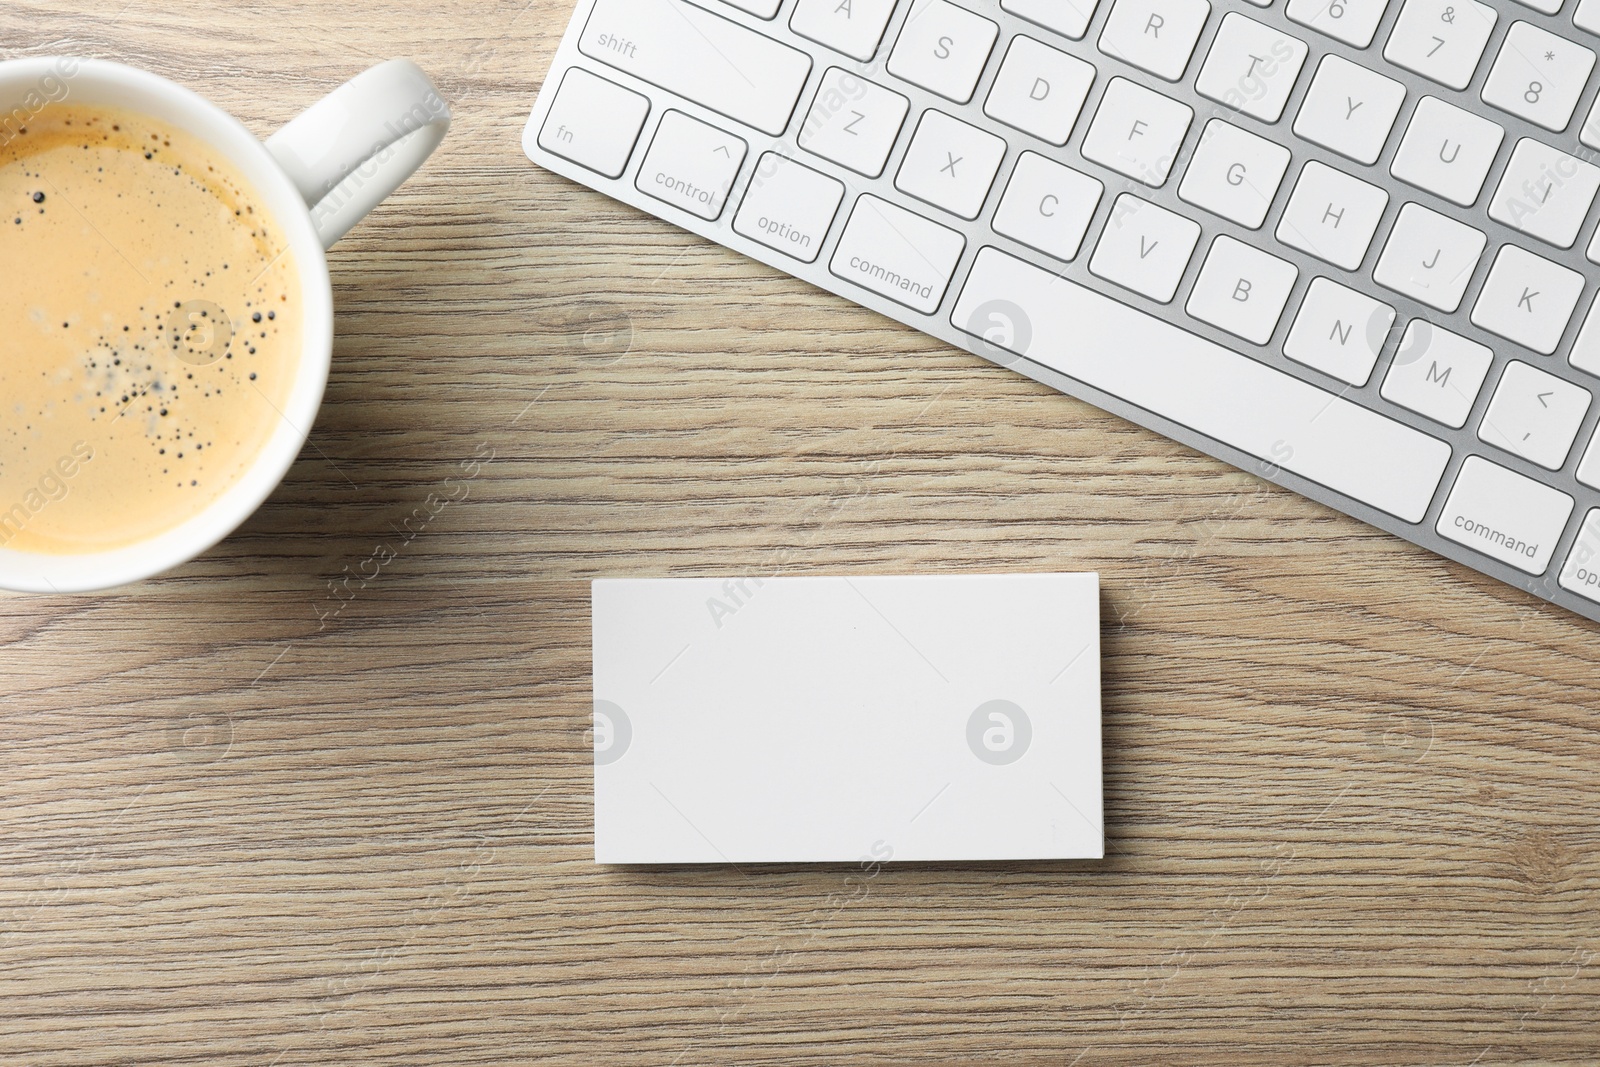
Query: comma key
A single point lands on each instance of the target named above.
(1535, 415)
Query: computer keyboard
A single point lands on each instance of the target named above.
(1346, 245)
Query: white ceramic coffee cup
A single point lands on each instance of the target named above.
(316, 178)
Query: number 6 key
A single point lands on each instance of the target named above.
(1351, 21)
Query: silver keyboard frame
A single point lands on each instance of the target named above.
(1463, 442)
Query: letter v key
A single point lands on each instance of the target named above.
(1144, 247)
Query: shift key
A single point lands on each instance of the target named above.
(700, 56)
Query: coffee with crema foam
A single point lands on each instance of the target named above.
(149, 329)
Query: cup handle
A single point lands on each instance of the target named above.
(355, 146)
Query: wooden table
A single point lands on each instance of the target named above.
(253, 814)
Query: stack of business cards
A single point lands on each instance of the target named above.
(847, 718)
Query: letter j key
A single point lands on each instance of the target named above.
(1429, 257)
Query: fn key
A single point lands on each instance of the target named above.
(594, 123)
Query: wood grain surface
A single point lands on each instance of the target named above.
(254, 814)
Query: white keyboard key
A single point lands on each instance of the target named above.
(1589, 132)
(1534, 415)
(1242, 290)
(1538, 75)
(1587, 17)
(1338, 331)
(690, 165)
(1441, 39)
(943, 48)
(761, 9)
(789, 207)
(1429, 257)
(1545, 193)
(1351, 21)
(1436, 373)
(1211, 389)
(1589, 467)
(897, 253)
(1548, 7)
(1332, 215)
(1144, 248)
(1527, 299)
(1137, 132)
(1447, 151)
(854, 27)
(1349, 109)
(1251, 67)
(706, 58)
(1505, 515)
(1047, 206)
(1039, 90)
(1581, 574)
(1070, 18)
(1585, 354)
(594, 123)
(853, 122)
(950, 164)
(1154, 35)
(1234, 174)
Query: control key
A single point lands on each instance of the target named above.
(691, 165)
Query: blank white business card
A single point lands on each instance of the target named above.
(747, 720)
